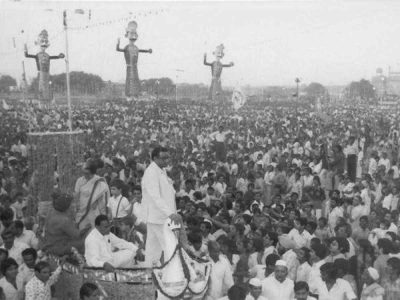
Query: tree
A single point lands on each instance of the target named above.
(81, 83)
(315, 90)
(360, 89)
(158, 86)
(6, 81)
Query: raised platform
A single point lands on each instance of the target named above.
(116, 287)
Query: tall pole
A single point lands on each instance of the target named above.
(176, 86)
(297, 80)
(67, 71)
(24, 83)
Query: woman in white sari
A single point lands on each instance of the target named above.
(91, 194)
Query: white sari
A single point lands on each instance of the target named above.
(92, 196)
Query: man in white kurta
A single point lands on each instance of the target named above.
(158, 203)
(278, 286)
(101, 243)
(221, 278)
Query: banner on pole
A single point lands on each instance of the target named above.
(238, 98)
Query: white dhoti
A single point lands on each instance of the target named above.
(123, 258)
(155, 244)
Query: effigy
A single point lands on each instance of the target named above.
(51, 152)
(181, 276)
(215, 91)
(131, 54)
(43, 65)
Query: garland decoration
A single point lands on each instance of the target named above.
(195, 285)
(53, 153)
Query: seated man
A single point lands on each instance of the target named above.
(104, 249)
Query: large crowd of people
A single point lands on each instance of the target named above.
(287, 203)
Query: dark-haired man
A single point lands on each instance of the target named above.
(26, 271)
(99, 245)
(158, 203)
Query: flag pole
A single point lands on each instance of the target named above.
(67, 70)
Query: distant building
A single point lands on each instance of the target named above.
(393, 84)
(386, 85)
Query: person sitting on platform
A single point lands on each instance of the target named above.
(100, 246)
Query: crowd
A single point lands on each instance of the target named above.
(286, 203)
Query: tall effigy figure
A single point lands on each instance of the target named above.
(43, 65)
(216, 70)
(131, 53)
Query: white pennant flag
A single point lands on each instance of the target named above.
(238, 98)
(5, 105)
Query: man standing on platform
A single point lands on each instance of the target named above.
(158, 203)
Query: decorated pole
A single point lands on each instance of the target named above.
(67, 71)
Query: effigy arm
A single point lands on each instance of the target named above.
(27, 54)
(146, 51)
(61, 55)
(231, 64)
(118, 48)
(205, 61)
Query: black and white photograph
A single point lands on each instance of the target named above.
(200, 150)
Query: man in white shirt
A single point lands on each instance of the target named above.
(25, 236)
(298, 234)
(278, 286)
(119, 206)
(13, 247)
(221, 278)
(334, 288)
(384, 161)
(337, 211)
(304, 268)
(26, 271)
(100, 245)
(158, 203)
(317, 256)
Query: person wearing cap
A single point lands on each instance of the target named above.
(371, 289)
(278, 286)
(205, 230)
(255, 290)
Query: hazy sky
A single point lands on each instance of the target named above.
(271, 43)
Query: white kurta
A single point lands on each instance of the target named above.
(99, 250)
(273, 289)
(221, 279)
(158, 203)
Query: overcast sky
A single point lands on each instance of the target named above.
(271, 43)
